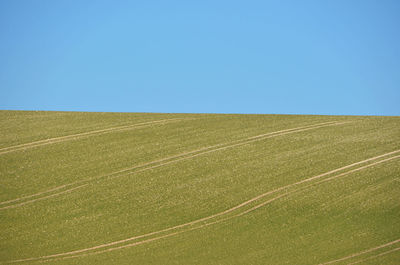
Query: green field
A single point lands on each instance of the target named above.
(134, 188)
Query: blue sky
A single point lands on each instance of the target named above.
(293, 57)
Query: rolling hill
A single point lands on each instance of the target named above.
(135, 188)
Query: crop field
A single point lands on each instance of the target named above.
(137, 188)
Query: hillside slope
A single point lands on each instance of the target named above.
(134, 188)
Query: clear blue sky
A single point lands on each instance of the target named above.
(296, 57)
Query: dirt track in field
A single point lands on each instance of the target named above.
(173, 159)
(362, 252)
(375, 256)
(81, 253)
(25, 146)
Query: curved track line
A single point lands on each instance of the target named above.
(9, 149)
(33, 195)
(321, 181)
(212, 216)
(357, 169)
(135, 243)
(362, 252)
(375, 256)
(222, 146)
(217, 221)
(183, 157)
(201, 226)
(42, 198)
(230, 146)
(216, 145)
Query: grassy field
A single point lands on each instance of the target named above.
(134, 188)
